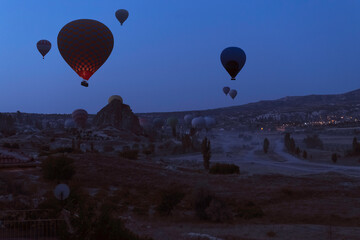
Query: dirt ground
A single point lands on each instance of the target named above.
(298, 198)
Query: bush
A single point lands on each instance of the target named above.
(58, 168)
(224, 168)
(129, 154)
(108, 148)
(249, 211)
(209, 207)
(11, 146)
(169, 199)
(313, 142)
(6, 145)
(334, 157)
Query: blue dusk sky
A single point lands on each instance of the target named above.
(166, 55)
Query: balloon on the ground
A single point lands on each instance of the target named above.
(209, 122)
(158, 122)
(188, 118)
(172, 121)
(122, 15)
(145, 123)
(115, 97)
(43, 47)
(198, 123)
(233, 60)
(226, 90)
(69, 123)
(85, 45)
(62, 191)
(80, 117)
(233, 93)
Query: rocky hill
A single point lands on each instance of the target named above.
(118, 115)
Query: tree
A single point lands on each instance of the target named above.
(304, 154)
(287, 141)
(355, 146)
(266, 145)
(58, 168)
(206, 152)
(334, 157)
(292, 146)
(297, 151)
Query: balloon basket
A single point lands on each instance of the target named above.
(84, 83)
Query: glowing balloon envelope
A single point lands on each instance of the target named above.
(43, 47)
(85, 45)
(62, 191)
(158, 122)
(198, 123)
(188, 118)
(115, 97)
(209, 122)
(121, 15)
(233, 93)
(226, 90)
(80, 117)
(233, 59)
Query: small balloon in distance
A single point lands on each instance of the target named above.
(121, 15)
(43, 47)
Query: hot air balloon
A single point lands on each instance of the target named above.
(44, 47)
(121, 15)
(209, 122)
(69, 123)
(80, 116)
(158, 123)
(233, 60)
(115, 97)
(233, 93)
(85, 45)
(188, 118)
(145, 123)
(226, 90)
(198, 123)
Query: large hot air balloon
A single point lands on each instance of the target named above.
(69, 123)
(158, 123)
(233, 93)
(233, 60)
(226, 90)
(85, 45)
(44, 47)
(115, 97)
(80, 116)
(209, 122)
(188, 118)
(121, 15)
(198, 123)
(145, 123)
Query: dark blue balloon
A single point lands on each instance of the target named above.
(233, 59)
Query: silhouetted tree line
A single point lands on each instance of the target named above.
(289, 143)
(206, 152)
(313, 142)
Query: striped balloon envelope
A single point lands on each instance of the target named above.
(85, 45)
(80, 117)
(43, 46)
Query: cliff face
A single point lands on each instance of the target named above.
(117, 115)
